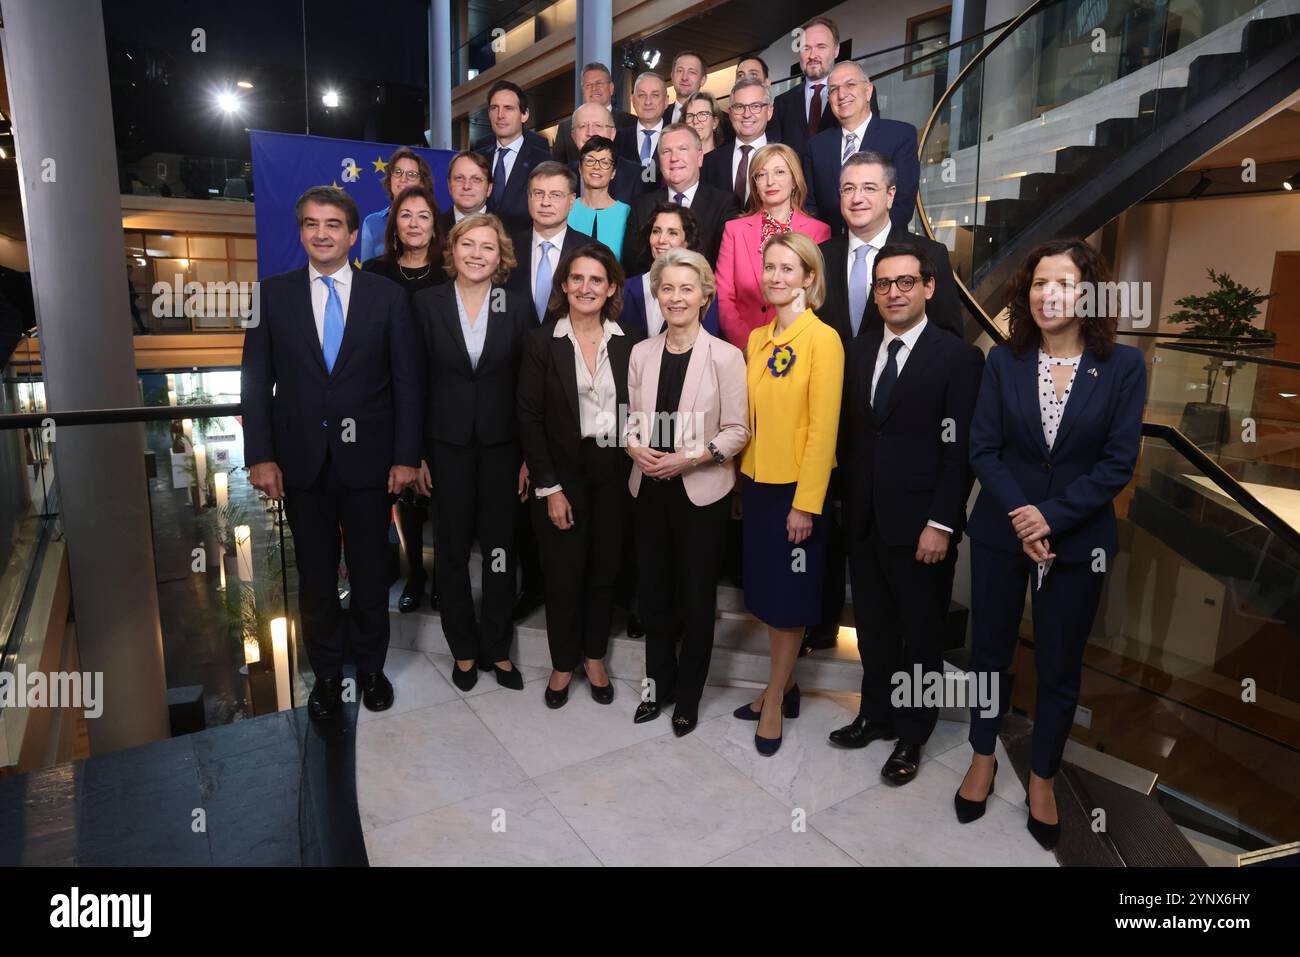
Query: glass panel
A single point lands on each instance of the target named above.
(244, 248)
(170, 245)
(208, 247)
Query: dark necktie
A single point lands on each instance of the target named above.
(742, 175)
(815, 110)
(499, 173)
(887, 378)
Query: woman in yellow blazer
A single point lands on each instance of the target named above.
(795, 371)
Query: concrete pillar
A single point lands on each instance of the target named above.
(595, 32)
(57, 69)
(440, 43)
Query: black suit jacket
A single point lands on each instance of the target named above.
(712, 208)
(470, 404)
(294, 411)
(626, 185)
(447, 219)
(791, 118)
(628, 146)
(519, 282)
(566, 152)
(944, 308)
(909, 463)
(489, 143)
(549, 423)
(509, 200)
(821, 169)
(717, 165)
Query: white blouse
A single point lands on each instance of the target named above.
(1049, 406)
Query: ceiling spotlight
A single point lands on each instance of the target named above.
(1292, 183)
(330, 99)
(245, 84)
(228, 102)
(1201, 186)
(651, 57)
(4, 154)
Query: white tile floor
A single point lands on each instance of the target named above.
(496, 778)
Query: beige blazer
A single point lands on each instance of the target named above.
(714, 409)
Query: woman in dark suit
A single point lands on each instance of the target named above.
(571, 386)
(473, 333)
(1055, 437)
(669, 227)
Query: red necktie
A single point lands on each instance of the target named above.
(815, 110)
(742, 174)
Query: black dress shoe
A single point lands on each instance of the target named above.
(411, 595)
(1045, 834)
(325, 698)
(526, 604)
(376, 690)
(902, 764)
(511, 679)
(557, 699)
(861, 733)
(465, 680)
(634, 627)
(684, 724)
(646, 711)
(968, 810)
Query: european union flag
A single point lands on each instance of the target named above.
(286, 164)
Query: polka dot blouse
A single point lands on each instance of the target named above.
(1049, 407)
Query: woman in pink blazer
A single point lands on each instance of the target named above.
(777, 191)
(688, 411)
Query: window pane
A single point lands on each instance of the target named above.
(207, 247)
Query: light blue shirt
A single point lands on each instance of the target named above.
(508, 161)
(476, 334)
(372, 234)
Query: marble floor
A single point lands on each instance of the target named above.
(494, 777)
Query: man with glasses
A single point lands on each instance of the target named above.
(850, 93)
(597, 89)
(405, 168)
(727, 167)
(590, 120)
(911, 392)
(755, 68)
(539, 247)
(469, 181)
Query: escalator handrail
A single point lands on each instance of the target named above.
(1197, 350)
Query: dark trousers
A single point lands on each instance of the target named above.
(1064, 609)
(317, 514)
(580, 565)
(679, 547)
(527, 553)
(900, 606)
(836, 561)
(475, 499)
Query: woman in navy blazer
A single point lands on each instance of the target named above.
(669, 227)
(1055, 437)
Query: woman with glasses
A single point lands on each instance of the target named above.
(596, 212)
(704, 117)
(776, 196)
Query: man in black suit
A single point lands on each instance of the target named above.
(687, 76)
(681, 157)
(802, 111)
(539, 247)
(469, 181)
(511, 155)
(912, 390)
(597, 88)
(755, 68)
(640, 141)
(332, 396)
(592, 119)
(727, 166)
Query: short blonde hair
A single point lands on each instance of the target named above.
(799, 186)
(478, 221)
(681, 256)
(811, 258)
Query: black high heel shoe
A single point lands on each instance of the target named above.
(1045, 834)
(464, 680)
(968, 810)
(789, 707)
(557, 699)
(768, 746)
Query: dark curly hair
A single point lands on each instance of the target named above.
(1098, 331)
(393, 248)
(690, 226)
(559, 302)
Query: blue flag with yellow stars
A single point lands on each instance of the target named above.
(287, 164)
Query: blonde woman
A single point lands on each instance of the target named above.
(687, 420)
(701, 113)
(795, 374)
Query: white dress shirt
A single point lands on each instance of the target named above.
(877, 242)
(320, 294)
(860, 132)
(509, 159)
(553, 256)
(909, 340)
(759, 142)
(457, 215)
(654, 140)
(597, 394)
(688, 193)
(654, 317)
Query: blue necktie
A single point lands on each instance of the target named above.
(542, 291)
(858, 287)
(499, 171)
(679, 199)
(887, 378)
(850, 141)
(333, 337)
(645, 147)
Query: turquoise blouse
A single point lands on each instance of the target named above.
(604, 225)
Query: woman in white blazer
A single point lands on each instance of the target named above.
(687, 420)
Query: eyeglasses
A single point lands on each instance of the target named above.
(461, 180)
(555, 195)
(597, 162)
(905, 284)
(754, 109)
(703, 116)
(852, 189)
(411, 175)
(596, 127)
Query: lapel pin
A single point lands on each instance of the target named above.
(1093, 372)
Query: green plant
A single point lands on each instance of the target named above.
(1228, 311)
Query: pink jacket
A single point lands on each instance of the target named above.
(739, 273)
(714, 409)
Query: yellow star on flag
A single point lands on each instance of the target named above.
(336, 185)
(379, 164)
(357, 262)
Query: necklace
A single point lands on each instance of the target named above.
(402, 270)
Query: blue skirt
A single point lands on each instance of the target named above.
(783, 582)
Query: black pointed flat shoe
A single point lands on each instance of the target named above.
(464, 680)
(511, 679)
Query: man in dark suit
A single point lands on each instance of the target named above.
(801, 112)
(592, 119)
(859, 129)
(335, 346)
(912, 390)
(511, 155)
(681, 158)
(640, 141)
(727, 166)
(597, 88)
(539, 247)
(755, 68)
(687, 76)
(469, 181)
